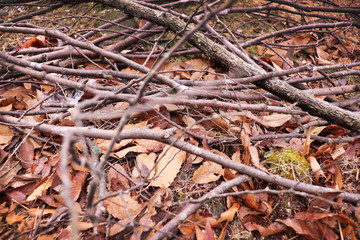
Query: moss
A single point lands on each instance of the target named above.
(287, 163)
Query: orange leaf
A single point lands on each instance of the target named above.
(36, 212)
(117, 208)
(199, 234)
(229, 214)
(208, 172)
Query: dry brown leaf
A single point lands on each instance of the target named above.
(319, 205)
(191, 122)
(208, 172)
(37, 212)
(198, 63)
(162, 198)
(196, 76)
(26, 153)
(8, 171)
(41, 189)
(78, 182)
(168, 166)
(118, 227)
(6, 135)
(117, 181)
(229, 214)
(83, 226)
(209, 233)
(276, 119)
(12, 218)
(136, 149)
(3, 209)
(251, 201)
(144, 164)
(186, 228)
(116, 207)
(322, 54)
(48, 236)
(315, 168)
(337, 153)
(150, 145)
(103, 144)
(313, 230)
(269, 230)
(255, 160)
(220, 121)
(50, 200)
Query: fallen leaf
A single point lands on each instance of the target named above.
(136, 149)
(315, 167)
(83, 226)
(167, 167)
(150, 145)
(8, 171)
(12, 218)
(276, 119)
(41, 189)
(116, 180)
(337, 153)
(255, 158)
(26, 153)
(36, 212)
(144, 164)
(272, 229)
(229, 214)
(199, 233)
(78, 182)
(209, 233)
(6, 135)
(117, 208)
(208, 172)
(312, 230)
(118, 227)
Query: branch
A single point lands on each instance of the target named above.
(165, 136)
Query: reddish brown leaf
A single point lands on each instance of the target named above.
(208, 234)
(312, 230)
(272, 229)
(117, 181)
(78, 184)
(26, 153)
